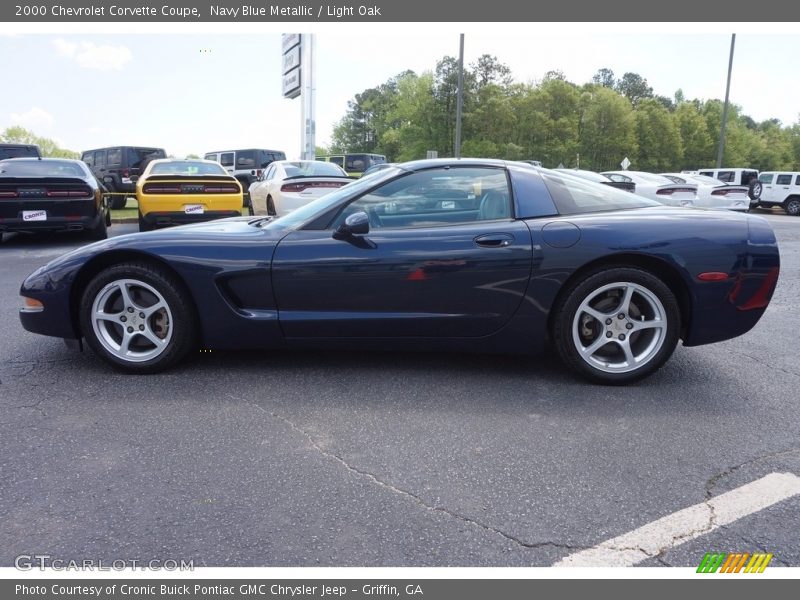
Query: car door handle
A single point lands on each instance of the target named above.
(494, 240)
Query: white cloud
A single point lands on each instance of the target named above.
(92, 56)
(36, 119)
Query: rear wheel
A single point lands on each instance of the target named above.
(792, 206)
(270, 206)
(617, 325)
(137, 318)
(754, 189)
(117, 202)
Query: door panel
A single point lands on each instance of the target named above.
(464, 280)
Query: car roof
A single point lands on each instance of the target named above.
(43, 159)
(430, 163)
(168, 160)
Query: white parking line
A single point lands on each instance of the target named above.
(687, 524)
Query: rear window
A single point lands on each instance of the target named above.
(18, 152)
(41, 168)
(312, 169)
(187, 167)
(137, 155)
(575, 196)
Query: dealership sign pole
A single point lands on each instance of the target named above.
(299, 79)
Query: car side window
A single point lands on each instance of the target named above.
(269, 173)
(783, 179)
(226, 159)
(797, 180)
(766, 177)
(726, 176)
(88, 158)
(114, 156)
(337, 160)
(100, 158)
(436, 197)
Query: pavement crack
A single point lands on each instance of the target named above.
(405, 493)
(764, 363)
(712, 481)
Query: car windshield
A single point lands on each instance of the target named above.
(187, 167)
(307, 213)
(573, 195)
(41, 168)
(311, 168)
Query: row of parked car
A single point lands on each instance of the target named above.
(65, 194)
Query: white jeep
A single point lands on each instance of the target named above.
(780, 188)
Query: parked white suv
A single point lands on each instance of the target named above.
(780, 188)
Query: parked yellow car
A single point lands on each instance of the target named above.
(173, 191)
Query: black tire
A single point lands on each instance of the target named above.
(754, 189)
(270, 206)
(248, 203)
(143, 225)
(178, 319)
(116, 202)
(100, 231)
(571, 323)
(792, 206)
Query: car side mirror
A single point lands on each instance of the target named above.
(355, 224)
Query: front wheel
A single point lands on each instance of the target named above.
(138, 318)
(617, 325)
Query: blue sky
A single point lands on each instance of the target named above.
(192, 92)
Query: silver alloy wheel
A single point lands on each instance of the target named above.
(793, 207)
(131, 319)
(619, 327)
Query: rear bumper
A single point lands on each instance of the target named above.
(60, 216)
(167, 218)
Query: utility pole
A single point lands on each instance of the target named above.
(308, 97)
(459, 95)
(721, 149)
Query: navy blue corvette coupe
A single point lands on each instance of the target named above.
(473, 255)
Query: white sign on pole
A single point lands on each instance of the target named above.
(291, 59)
(625, 164)
(291, 84)
(288, 41)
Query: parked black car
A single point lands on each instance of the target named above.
(19, 151)
(48, 194)
(116, 165)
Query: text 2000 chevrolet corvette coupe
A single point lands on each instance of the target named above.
(472, 255)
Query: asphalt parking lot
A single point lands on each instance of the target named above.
(351, 459)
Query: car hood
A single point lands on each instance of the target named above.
(174, 241)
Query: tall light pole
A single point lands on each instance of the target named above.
(721, 149)
(459, 95)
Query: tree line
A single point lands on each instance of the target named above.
(48, 147)
(591, 126)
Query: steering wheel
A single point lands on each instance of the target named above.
(374, 219)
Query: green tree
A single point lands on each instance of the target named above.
(608, 132)
(658, 137)
(634, 87)
(47, 147)
(697, 145)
